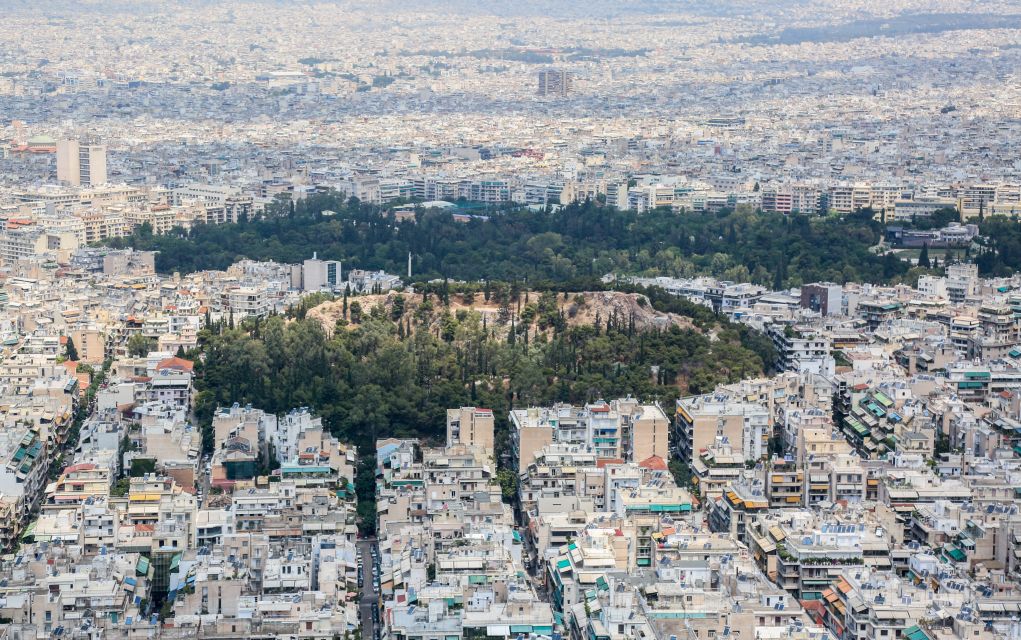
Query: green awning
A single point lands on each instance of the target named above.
(601, 584)
(142, 568)
(914, 633)
(956, 554)
(858, 427)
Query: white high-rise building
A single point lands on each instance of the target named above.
(81, 164)
(319, 274)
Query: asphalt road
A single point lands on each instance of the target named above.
(369, 598)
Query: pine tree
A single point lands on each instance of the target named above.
(923, 257)
(778, 276)
(72, 352)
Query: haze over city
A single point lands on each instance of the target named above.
(532, 320)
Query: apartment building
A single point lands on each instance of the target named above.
(471, 426)
(702, 421)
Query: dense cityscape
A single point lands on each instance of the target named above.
(455, 320)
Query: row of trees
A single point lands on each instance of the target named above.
(581, 240)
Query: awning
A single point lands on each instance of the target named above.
(142, 568)
(914, 633)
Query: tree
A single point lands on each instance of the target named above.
(508, 484)
(141, 467)
(356, 312)
(139, 345)
(923, 257)
(397, 308)
(71, 352)
(554, 244)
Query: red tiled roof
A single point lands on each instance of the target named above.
(84, 466)
(176, 363)
(655, 463)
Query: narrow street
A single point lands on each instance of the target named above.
(369, 599)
